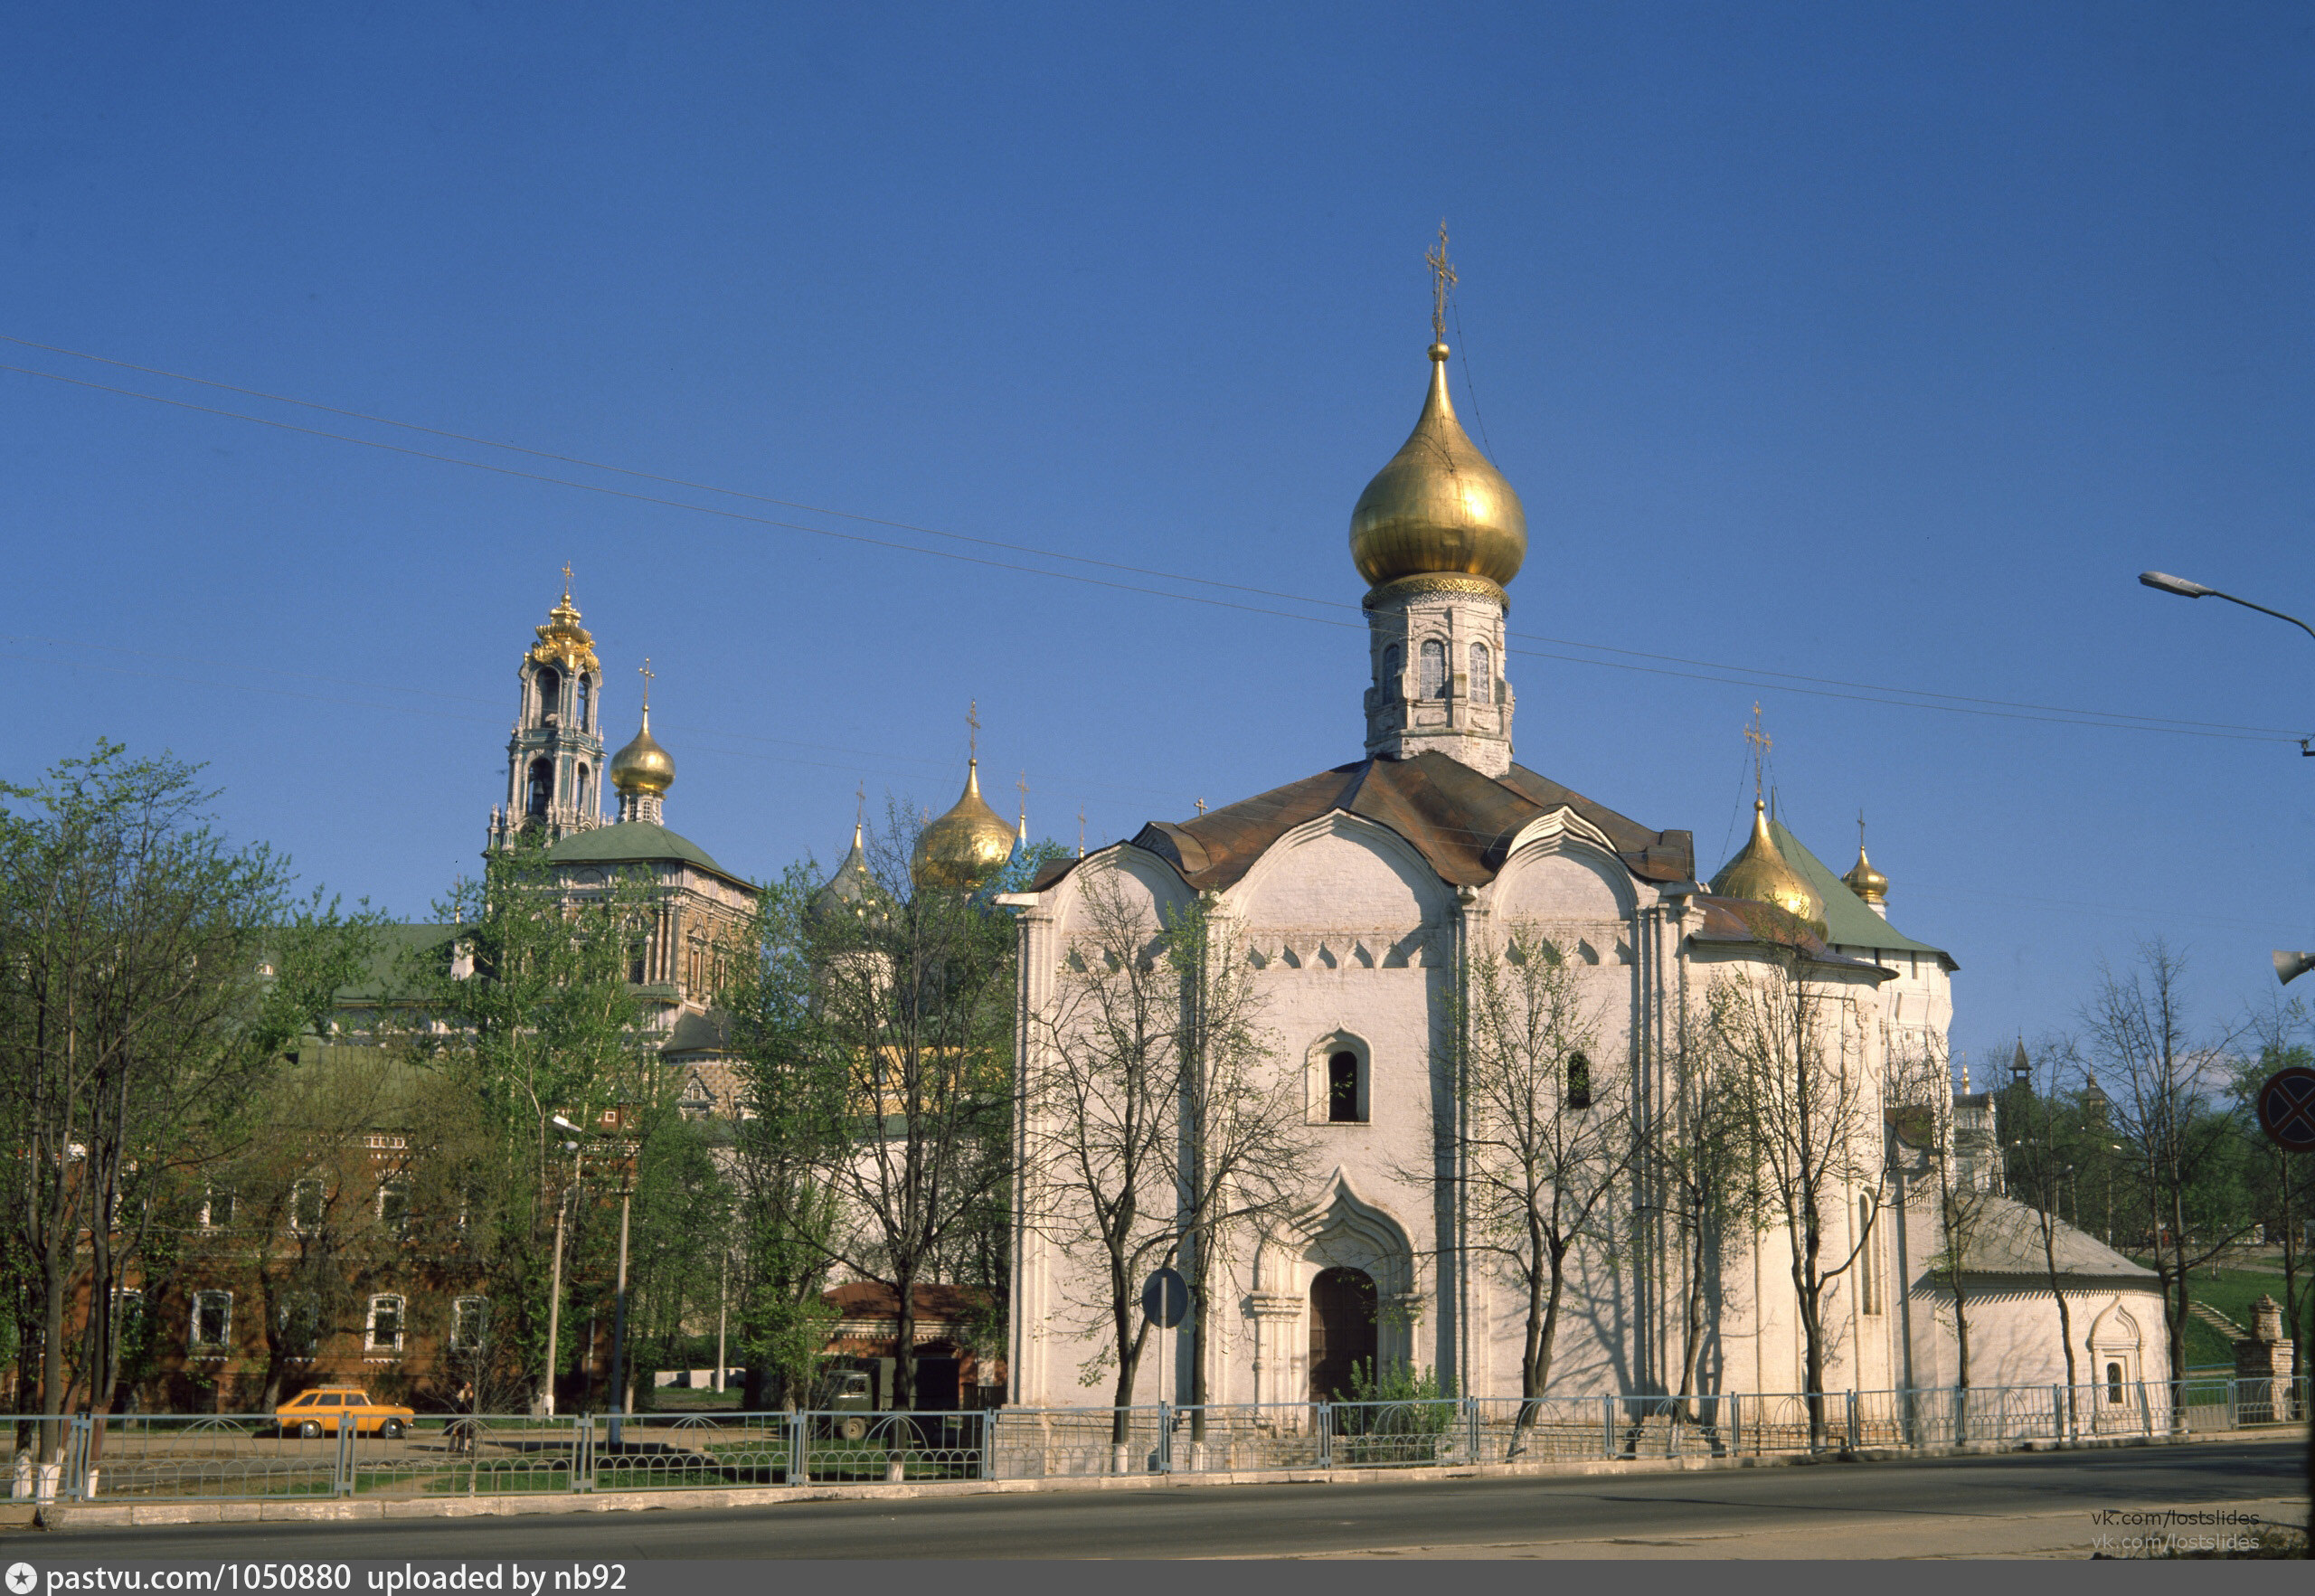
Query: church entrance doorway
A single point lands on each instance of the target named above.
(1342, 1330)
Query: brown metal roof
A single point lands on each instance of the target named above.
(1460, 821)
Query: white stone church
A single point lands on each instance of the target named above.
(1361, 894)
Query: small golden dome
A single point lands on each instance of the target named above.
(964, 846)
(1438, 507)
(1865, 881)
(1759, 871)
(643, 766)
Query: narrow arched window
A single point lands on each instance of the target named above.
(1342, 1088)
(542, 792)
(1482, 674)
(550, 694)
(586, 704)
(1393, 669)
(584, 805)
(1579, 1081)
(1434, 669)
(2114, 1383)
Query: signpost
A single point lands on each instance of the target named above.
(1165, 1303)
(2287, 1110)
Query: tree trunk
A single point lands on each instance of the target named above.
(904, 1344)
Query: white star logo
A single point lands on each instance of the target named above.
(22, 1579)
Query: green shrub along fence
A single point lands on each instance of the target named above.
(136, 1458)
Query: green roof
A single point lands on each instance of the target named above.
(384, 979)
(631, 842)
(1848, 922)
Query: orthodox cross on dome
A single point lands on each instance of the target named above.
(972, 719)
(1443, 278)
(1200, 806)
(646, 673)
(1860, 834)
(1757, 735)
(860, 801)
(1081, 831)
(1024, 785)
(566, 581)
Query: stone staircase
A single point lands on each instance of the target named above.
(2218, 1321)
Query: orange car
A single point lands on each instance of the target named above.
(328, 1410)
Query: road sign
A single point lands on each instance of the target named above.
(1165, 1299)
(2287, 1110)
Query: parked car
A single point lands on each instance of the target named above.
(331, 1407)
(846, 1396)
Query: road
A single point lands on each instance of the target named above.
(2009, 1505)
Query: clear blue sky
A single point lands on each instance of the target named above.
(1882, 344)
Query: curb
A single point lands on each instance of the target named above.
(108, 1515)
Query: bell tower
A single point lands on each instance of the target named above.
(555, 760)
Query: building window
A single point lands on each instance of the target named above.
(307, 1204)
(584, 803)
(541, 792)
(470, 1323)
(1434, 669)
(212, 1319)
(394, 1206)
(549, 696)
(2114, 1383)
(1579, 1081)
(586, 704)
(1482, 674)
(1392, 670)
(127, 1310)
(1343, 1107)
(384, 1334)
(1868, 1260)
(216, 1209)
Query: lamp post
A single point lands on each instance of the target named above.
(554, 1296)
(2288, 965)
(618, 1313)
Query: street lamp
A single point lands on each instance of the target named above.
(2289, 965)
(554, 1298)
(619, 1316)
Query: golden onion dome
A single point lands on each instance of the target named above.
(643, 766)
(964, 846)
(1865, 881)
(1760, 873)
(1438, 507)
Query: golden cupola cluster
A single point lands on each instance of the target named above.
(562, 641)
(964, 847)
(1440, 509)
(1761, 875)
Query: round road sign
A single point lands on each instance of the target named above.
(1166, 1299)
(2287, 1110)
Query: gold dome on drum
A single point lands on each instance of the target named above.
(1865, 881)
(964, 846)
(563, 640)
(643, 766)
(1438, 507)
(1761, 874)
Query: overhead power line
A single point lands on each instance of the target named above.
(1692, 669)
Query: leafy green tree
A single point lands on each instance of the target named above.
(528, 1014)
(154, 976)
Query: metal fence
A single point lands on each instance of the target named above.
(139, 1457)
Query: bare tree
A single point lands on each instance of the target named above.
(1811, 1112)
(1102, 1095)
(1954, 1141)
(2166, 1085)
(1542, 1137)
(1243, 1146)
(1700, 1151)
(2043, 1135)
(908, 1026)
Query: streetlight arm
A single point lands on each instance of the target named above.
(2162, 582)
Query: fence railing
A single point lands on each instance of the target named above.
(174, 1458)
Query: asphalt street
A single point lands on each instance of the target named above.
(1940, 1507)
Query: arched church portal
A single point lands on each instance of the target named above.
(1343, 1333)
